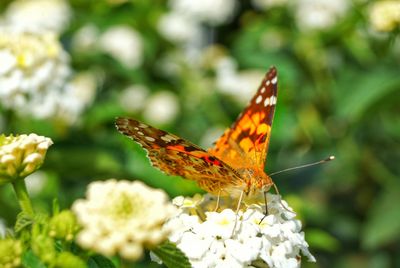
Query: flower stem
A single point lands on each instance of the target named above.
(23, 196)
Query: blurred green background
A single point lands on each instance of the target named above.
(191, 68)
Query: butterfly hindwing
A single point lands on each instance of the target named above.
(245, 144)
(176, 156)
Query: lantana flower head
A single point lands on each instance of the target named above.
(222, 238)
(36, 79)
(122, 217)
(21, 155)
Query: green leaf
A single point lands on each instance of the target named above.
(29, 259)
(364, 91)
(383, 225)
(99, 261)
(23, 220)
(172, 256)
(56, 206)
(321, 240)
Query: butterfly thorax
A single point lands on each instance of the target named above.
(254, 180)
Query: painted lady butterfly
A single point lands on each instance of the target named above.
(235, 165)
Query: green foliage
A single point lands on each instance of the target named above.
(98, 261)
(171, 256)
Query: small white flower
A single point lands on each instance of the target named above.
(85, 38)
(237, 84)
(21, 155)
(39, 15)
(36, 182)
(132, 99)
(176, 27)
(214, 12)
(210, 136)
(122, 217)
(319, 15)
(385, 15)
(124, 44)
(161, 108)
(208, 241)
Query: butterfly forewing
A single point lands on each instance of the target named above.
(245, 144)
(176, 156)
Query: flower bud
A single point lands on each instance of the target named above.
(10, 253)
(21, 155)
(63, 225)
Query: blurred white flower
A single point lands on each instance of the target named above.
(85, 38)
(36, 182)
(161, 108)
(132, 99)
(266, 4)
(177, 27)
(21, 155)
(3, 229)
(124, 44)
(214, 12)
(210, 136)
(319, 15)
(35, 77)
(385, 15)
(122, 217)
(79, 93)
(39, 15)
(207, 240)
(239, 85)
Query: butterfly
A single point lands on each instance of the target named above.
(235, 165)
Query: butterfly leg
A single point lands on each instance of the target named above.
(237, 212)
(218, 199)
(266, 207)
(280, 199)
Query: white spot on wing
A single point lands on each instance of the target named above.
(266, 102)
(262, 90)
(273, 100)
(274, 80)
(141, 125)
(136, 128)
(168, 138)
(267, 83)
(140, 133)
(150, 138)
(259, 99)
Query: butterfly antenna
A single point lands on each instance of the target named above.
(330, 158)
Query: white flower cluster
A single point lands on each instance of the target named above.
(208, 239)
(35, 78)
(122, 217)
(38, 15)
(319, 15)
(183, 23)
(162, 107)
(21, 155)
(122, 42)
(385, 15)
(214, 12)
(238, 84)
